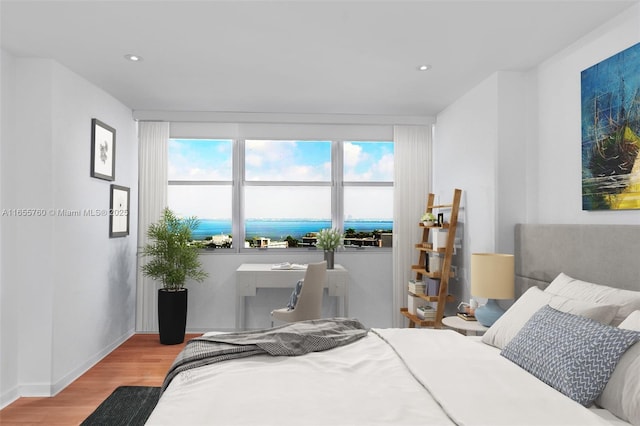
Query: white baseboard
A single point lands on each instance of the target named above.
(84, 367)
(17, 392)
(35, 390)
(51, 389)
(206, 330)
(8, 397)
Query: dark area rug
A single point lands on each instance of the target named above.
(127, 405)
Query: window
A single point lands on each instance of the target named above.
(287, 191)
(200, 184)
(276, 215)
(280, 193)
(368, 193)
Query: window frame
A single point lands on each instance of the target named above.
(211, 182)
(239, 183)
(344, 183)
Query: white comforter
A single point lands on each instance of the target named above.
(390, 377)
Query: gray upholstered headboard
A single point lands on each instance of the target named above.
(602, 254)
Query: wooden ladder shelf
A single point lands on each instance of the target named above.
(444, 274)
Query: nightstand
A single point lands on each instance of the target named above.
(465, 327)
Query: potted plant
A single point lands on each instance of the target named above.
(329, 240)
(428, 219)
(173, 259)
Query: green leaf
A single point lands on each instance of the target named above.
(173, 257)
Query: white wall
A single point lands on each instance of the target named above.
(478, 147)
(31, 171)
(68, 287)
(9, 294)
(513, 145)
(559, 127)
(212, 303)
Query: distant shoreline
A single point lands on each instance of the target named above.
(280, 229)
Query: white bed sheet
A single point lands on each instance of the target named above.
(601, 412)
(367, 383)
(363, 383)
(477, 386)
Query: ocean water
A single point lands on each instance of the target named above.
(280, 229)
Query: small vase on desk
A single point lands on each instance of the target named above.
(328, 256)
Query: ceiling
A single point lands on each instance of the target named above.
(337, 57)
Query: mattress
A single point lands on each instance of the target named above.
(389, 377)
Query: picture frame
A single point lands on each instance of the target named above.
(119, 211)
(103, 150)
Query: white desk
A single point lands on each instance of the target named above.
(252, 276)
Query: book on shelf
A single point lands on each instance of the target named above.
(465, 316)
(417, 287)
(426, 312)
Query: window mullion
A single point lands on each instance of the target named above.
(238, 195)
(337, 193)
(370, 184)
(285, 183)
(198, 182)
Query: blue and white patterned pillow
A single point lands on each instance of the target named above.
(573, 354)
(293, 299)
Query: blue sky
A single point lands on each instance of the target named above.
(191, 159)
(279, 161)
(287, 160)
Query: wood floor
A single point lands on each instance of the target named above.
(140, 361)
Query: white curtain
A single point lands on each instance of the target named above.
(153, 140)
(412, 184)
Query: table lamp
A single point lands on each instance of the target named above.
(492, 277)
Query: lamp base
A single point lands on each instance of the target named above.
(489, 313)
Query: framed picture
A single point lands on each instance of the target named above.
(103, 150)
(119, 211)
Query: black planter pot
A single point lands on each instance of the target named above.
(172, 315)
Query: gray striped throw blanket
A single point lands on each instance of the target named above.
(292, 339)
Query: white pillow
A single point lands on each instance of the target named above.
(509, 324)
(627, 300)
(632, 322)
(621, 396)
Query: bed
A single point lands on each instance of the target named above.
(439, 377)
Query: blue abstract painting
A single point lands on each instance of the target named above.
(610, 95)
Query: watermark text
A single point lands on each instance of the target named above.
(32, 212)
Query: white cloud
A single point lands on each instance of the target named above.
(383, 168)
(187, 164)
(271, 152)
(352, 154)
(253, 160)
(278, 160)
(361, 165)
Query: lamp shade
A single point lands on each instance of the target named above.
(492, 275)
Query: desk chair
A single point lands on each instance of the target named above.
(309, 304)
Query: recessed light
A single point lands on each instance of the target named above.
(133, 58)
(424, 67)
